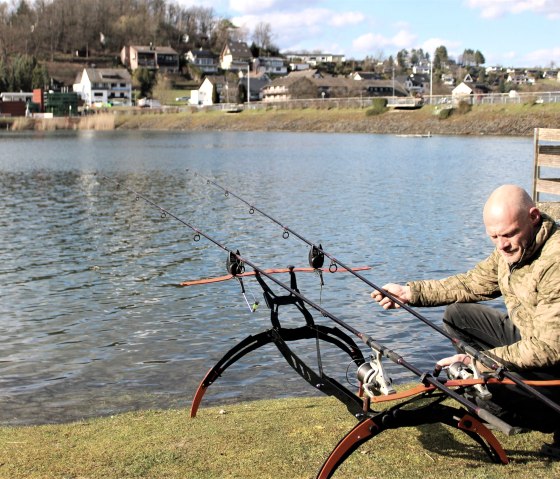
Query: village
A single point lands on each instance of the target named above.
(235, 79)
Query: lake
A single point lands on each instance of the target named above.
(92, 318)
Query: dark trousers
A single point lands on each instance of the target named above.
(485, 328)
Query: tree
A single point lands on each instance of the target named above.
(440, 57)
(40, 77)
(402, 58)
(262, 37)
(147, 80)
(479, 58)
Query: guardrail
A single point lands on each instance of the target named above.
(363, 102)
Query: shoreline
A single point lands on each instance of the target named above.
(490, 120)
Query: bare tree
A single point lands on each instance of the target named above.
(262, 36)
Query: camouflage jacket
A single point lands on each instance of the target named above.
(531, 292)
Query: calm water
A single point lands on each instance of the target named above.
(92, 320)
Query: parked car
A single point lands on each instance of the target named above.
(149, 103)
(183, 98)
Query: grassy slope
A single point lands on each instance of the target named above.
(514, 120)
(266, 439)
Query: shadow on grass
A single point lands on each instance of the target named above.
(440, 440)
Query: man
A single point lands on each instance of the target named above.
(524, 268)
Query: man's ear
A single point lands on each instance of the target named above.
(535, 215)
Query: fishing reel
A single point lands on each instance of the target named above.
(374, 379)
(236, 268)
(459, 370)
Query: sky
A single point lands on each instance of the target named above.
(509, 33)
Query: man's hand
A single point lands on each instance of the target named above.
(402, 293)
(462, 358)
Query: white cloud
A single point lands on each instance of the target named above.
(497, 8)
(247, 7)
(346, 18)
(310, 26)
(370, 41)
(542, 57)
(453, 47)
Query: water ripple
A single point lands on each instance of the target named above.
(93, 319)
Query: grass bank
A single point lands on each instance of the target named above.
(511, 120)
(499, 120)
(265, 439)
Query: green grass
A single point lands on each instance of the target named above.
(287, 438)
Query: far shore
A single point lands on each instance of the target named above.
(492, 120)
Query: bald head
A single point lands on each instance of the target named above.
(511, 219)
(508, 200)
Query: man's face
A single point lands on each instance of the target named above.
(511, 235)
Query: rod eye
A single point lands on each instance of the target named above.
(285, 234)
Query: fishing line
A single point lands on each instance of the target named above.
(487, 361)
(379, 349)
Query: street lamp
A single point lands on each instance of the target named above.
(248, 84)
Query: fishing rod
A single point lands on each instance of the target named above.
(499, 369)
(236, 264)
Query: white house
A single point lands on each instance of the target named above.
(104, 85)
(235, 56)
(204, 60)
(271, 66)
(314, 59)
(461, 92)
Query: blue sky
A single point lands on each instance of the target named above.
(520, 33)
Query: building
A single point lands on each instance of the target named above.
(163, 59)
(271, 66)
(204, 60)
(315, 59)
(256, 83)
(101, 86)
(236, 56)
(310, 84)
(212, 88)
(417, 84)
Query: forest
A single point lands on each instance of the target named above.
(47, 28)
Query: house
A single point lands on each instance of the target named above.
(422, 69)
(310, 84)
(314, 59)
(520, 79)
(294, 86)
(493, 69)
(448, 79)
(235, 56)
(163, 59)
(550, 74)
(297, 67)
(271, 66)
(204, 60)
(365, 76)
(383, 88)
(461, 92)
(208, 91)
(16, 96)
(417, 84)
(215, 89)
(104, 85)
(256, 83)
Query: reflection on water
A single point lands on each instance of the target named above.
(92, 318)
